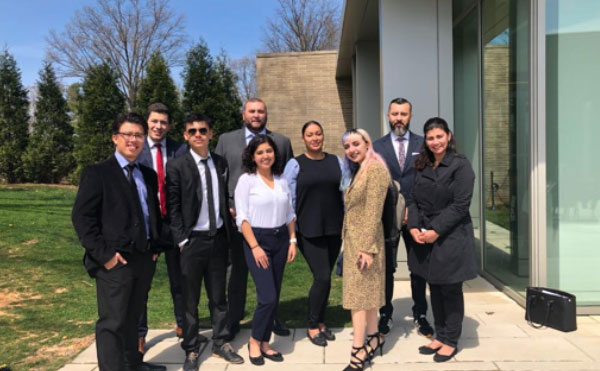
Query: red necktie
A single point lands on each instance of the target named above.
(160, 170)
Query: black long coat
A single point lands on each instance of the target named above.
(440, 201)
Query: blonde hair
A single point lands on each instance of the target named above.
(352, 170)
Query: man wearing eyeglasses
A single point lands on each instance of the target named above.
(201, 226)
(157, 151)
(117, 219)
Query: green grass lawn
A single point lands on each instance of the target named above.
(48, 302)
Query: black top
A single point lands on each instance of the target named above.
(319, 201)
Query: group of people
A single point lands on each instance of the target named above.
(248, 207)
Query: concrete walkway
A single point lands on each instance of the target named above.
(495, 337)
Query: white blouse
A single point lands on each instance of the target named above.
(260, 205)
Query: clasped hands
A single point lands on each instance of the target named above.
(424, 236)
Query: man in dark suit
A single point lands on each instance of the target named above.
(157, 151)
(117, 219)
(201, 225)
(231, 145)
(399, 149)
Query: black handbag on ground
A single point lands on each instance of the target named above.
(551, 308)
(340, 264)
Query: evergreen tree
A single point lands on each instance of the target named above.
(209, 88)
(49, 155)
(158, 86)
(100, 104)
(14, 117)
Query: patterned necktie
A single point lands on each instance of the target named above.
(160, 170)
(212, 217)
(401, 152)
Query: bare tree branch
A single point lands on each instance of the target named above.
(245, 69)
(303, 25)
(124, 33)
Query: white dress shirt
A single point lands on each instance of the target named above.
(396, 143)
(203, 223)
(261, 206)
(163, 149)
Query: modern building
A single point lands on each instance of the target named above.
(519, 81)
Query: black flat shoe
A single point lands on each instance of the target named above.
(275, 357)
(257, 361)
(319, 339)
(328, 334)
(440, 358)
(427, 350)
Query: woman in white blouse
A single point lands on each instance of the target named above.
(266, 218)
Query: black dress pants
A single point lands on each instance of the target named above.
(275, 243)
(238, 281)
(391, 249)
(120, 293)
(172, 257)
(204, 257)
(418, 284)
(320, 254)
(448, 307)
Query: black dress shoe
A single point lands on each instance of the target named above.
(319, 339)
(191, 362)
(441, 358)
(423, 326)
(226, 352)
(257, 361)
(385, 324)
(328, 334)
(280, 329)
(275, 357)
(427, 350)
(144, 366)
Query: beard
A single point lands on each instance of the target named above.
(399, 130)
(253, 129)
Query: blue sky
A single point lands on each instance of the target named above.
(232, 25)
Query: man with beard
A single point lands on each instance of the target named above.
(231, 145)
(399, 149)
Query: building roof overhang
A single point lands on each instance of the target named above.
(360, 23)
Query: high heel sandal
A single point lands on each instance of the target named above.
(359, 364)
(379, 346)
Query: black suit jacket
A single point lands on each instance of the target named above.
(104, 214)
(231, 146)
(174, 150)
(406, 176)
(184, 193)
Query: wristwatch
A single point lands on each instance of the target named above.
(293, 240)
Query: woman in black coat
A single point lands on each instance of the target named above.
(441, 227)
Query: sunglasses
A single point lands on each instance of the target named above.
(192, 131)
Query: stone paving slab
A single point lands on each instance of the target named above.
(495, 337)
(547, 366)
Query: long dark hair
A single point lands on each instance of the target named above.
(426, 157)
(248, 163)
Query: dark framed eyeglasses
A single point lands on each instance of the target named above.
(130, 136)
(192, 131)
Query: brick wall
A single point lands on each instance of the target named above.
(298, 87)
(496, 118)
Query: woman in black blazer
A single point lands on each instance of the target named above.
(441, 227)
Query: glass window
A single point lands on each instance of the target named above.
(505, 40)
(572, 133)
